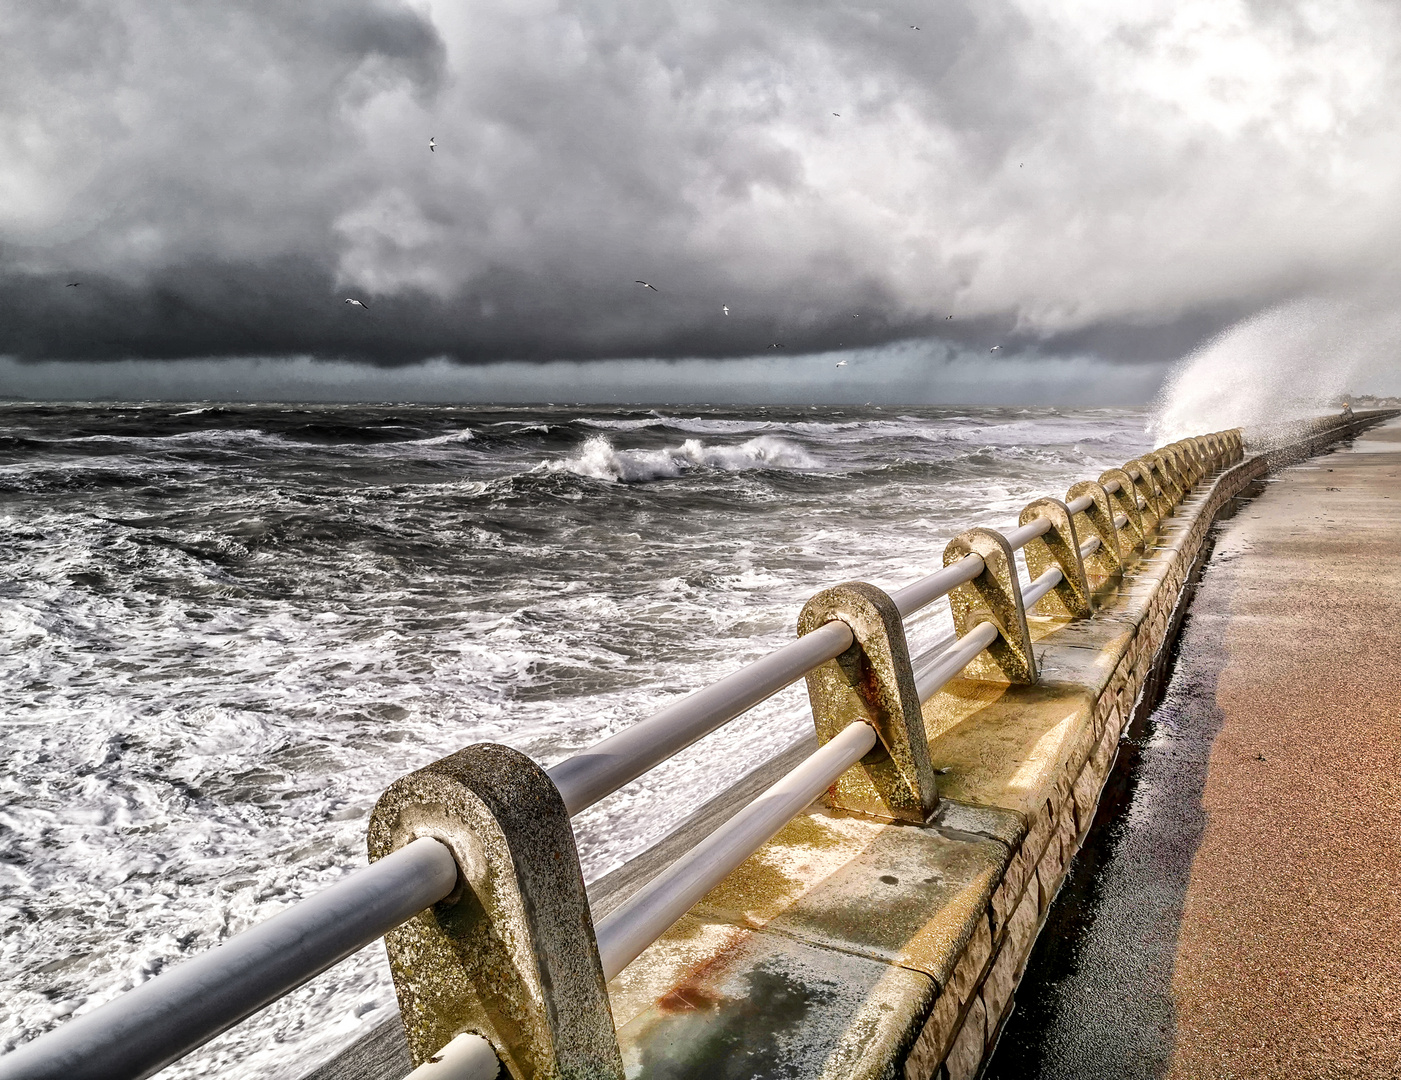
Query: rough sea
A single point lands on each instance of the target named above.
(228, 628)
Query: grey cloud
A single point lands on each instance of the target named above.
(1068, 181)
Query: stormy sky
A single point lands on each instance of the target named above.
(1097, 185)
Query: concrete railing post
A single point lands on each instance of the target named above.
(509, 955)
(1211, 452)
(1179, 466)
(1107, 561)
(1187, 453)
(993, 596)
(1153, 488)
(1145, 488)
(1059, 546)
(1207, 448)
(1125, 501)
(1205, 457)
(873, 681)
(1170, 478)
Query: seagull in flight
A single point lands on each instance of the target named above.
(948, 316)
(357, 303)
(841, 363)
(836, 114)
(856, 316)
(432, 144)
(995, 348)
(914, 27)
(646, 285)
(776, 346)
(725, 308)
(72, 284)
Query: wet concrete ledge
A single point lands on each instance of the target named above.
(848, 947)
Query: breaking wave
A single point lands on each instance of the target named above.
(600, 460)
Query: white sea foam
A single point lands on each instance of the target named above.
(599, 459)
(463, 436)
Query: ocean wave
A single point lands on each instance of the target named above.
(600, 460)
(465, 435)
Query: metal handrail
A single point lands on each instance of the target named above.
(148, 1027)
(940, 583)
(937, 673)
(1019, 538)
(603, 768)
(1042, 585)
(606, 766)
(467, 1057)
(625, 932)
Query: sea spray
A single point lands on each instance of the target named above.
(1275, 369)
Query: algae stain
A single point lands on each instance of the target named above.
(705, 1035)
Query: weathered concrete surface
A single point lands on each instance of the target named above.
(1237, 911)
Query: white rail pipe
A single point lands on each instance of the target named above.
(467, 1057)
(165, 1018)
(606, 766)
(1089, 547)
(625, 932)
(928, 589)
(1080, 505)
(1041, 586)
(1121, 520)
(935, 676)
(1018, 538)
(1112, 487)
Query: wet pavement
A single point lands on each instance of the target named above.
(1236, 909)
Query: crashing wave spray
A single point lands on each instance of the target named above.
(1274, 369)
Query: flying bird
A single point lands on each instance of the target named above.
(72, 284)
(433, 144)
(776, 346)
(856, 316)
(995, 348)
(357, 303)
(948, 316)
(914, 28)
(725, 308)
(645, 285)
(836, 114)
(841, 363)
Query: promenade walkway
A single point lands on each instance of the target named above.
(1243, 918)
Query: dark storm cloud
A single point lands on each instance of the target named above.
(1063, 179)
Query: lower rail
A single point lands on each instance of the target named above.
(650, 912)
